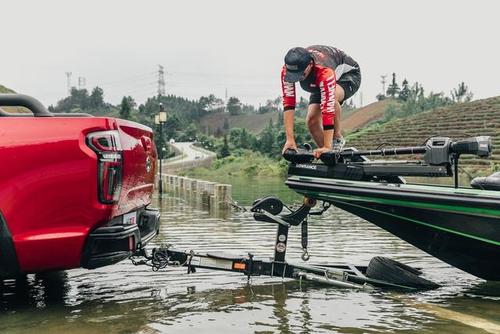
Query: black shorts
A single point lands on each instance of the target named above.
(349, 81)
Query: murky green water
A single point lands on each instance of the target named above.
(128, 299)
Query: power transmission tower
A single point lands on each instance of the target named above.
(161, 81)
(68, 82)
(383, 83)
(82, 82)
(225, 102)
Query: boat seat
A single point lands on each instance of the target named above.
(491, 182)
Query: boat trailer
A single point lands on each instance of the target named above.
(268, 209)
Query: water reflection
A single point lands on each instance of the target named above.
(33, 291)
(128, 299)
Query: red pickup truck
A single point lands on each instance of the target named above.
(75, 190)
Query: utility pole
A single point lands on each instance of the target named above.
(82, 82)
(383, 83)
(161, 81)
(360, 99)
(68, 82)
(225, 102)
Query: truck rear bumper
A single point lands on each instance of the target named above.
(111, 244)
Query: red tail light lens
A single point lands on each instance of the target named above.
(107, 146)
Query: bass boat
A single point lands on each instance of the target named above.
(458, 225)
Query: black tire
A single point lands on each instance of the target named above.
(384, 269)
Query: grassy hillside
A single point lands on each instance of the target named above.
(361, 117)
(255, 123)
(463, 120)
(5, 90)
(252, 122)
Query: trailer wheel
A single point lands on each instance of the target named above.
(392, 271)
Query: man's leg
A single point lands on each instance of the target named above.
(315, 123)
(339, 97)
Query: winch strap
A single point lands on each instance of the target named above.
(304, 234)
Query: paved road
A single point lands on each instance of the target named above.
(190, 152)
(192, 157)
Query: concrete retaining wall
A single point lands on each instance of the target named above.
(212, 194)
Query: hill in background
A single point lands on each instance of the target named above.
(251, 122)
(361, 117)
(255, 123)
(458, 121)
(5, 90)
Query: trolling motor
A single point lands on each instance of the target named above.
(436, 151)
(440, 158)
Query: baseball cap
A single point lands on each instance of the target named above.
(296, 61)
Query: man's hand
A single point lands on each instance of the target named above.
(290, 144)
(321, 150)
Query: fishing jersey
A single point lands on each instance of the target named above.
(329, 65)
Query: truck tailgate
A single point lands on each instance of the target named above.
(139, 166)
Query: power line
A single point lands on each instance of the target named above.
(128, 87)
(128, 79)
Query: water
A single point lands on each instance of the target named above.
(126, 299)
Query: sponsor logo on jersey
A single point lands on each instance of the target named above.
(288, 89)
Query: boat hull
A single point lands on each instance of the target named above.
(458, 226)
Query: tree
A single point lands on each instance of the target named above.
(224, 151)
(173, 123)
(271, 106)
(280, 121)
(244, 139)
(210, 103)
(234, 136)
(393, 88)
(96, 99)
(126, 107)
(461, 94)
(191, 131)
(405, 92)
(234, 105)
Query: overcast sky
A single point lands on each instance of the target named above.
(210, 46)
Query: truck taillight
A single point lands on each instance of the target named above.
(107, 146)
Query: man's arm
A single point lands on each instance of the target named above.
(288, 90)
(288, 120)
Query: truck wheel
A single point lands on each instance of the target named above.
(392, 271)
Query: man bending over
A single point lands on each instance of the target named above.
(331, 76)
